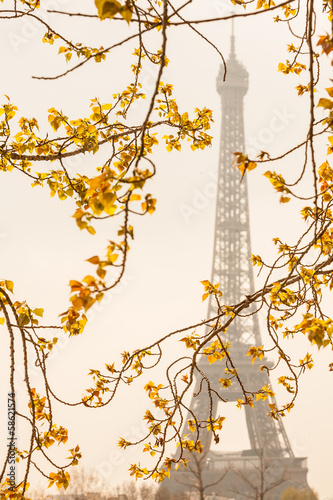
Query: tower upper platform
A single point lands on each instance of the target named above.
(237, 77)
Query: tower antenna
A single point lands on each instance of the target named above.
(232, 46)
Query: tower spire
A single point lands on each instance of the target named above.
(232, 41)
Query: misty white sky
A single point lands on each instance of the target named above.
(41, 248)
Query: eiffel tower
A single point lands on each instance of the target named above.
(270, 449)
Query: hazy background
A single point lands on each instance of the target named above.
(41, 248)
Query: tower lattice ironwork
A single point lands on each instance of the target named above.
(232, 268)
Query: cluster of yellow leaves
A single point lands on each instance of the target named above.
(193, 130)
(116, 186)
(264, 393)
(283, 247)
(228, 311)
(75, 455)
(33, 4)
(301, 89)
(216, 351)
(153, 390)
(9, 285)
(155, 430)
(190, 445)
(243, 402)
(215, 424)
(265, 4)
(243, 163)
(191, 341)
(137, 364)
(256, 352)
(49, 37)
(226, 382)
(39, 406)
(94, 397)
(109, 8)
(279, 185)
(294, 67)
(307, 362)
(82, 299)
(138, 472)
(78, 48)
(276, 413)
(210, 289)
(44, 343)
(282, 296)
(10, 492)
(285, 382)
(275, 323)
(326, 41)
(325, 242)
(83, 51)
(326, 103)
(55, 434)
(25, 315)
(73, 322)
(8, 109)
(287, 10)
(158, 475)
(60, 478)
(256, 260)
(319, 331)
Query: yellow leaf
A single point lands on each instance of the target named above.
(251, 165)
(262, 396)
(38, 312)
(107, 8)
(75, 285)
(9, 286)
(135, 197)
(108, 199)
(113, 257)
(325, 103)
(91, 230)
(93, 260)
(284, 199)
(126, 12)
